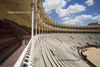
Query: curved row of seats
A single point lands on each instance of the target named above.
(61, 50)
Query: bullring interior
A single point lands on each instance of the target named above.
(29, 38)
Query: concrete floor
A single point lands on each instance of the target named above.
(13, 58)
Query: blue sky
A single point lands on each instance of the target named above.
(74, 12)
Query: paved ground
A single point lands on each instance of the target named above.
(13, 58)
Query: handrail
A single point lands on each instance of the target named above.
(20, 62)
(27, 56)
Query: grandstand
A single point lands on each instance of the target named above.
(47, 43)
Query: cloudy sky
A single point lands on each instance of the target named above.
(77, 12)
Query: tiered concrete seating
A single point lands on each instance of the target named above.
(61, 50)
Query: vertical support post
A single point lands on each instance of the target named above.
(39, 27)
(51, 30)
(36, 18)
(32, 32)
(36, 28)
(31, 60)
(42, 30)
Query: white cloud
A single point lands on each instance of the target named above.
(66, 18)
(50, 5)
(77, 19)
(72, 21)
(89, 2)
(76, 8)
(97, 17)
(81, 19)
(58, 6)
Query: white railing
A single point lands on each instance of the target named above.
(26, 57)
